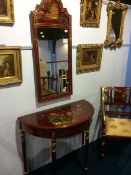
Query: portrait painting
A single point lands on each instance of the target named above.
(10, 65)
(89, 57)
(6, 12)
(6, 65)
(3, 7)
(90, 13)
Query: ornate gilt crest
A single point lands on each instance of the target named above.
(49, 10)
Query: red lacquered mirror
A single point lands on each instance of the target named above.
(52, 50)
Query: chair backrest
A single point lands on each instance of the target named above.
(116, 101)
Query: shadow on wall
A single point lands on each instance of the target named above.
(38, 150)
(95, 130)
(128, 69)
(10, 150)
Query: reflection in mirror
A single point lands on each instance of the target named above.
(52, 43)
(53, 60)
(116, 15)
(116, 24)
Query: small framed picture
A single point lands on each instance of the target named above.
(89, 57)
(90, 13)
(10, 65)
(6, 12)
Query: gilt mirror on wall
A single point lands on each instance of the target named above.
(52, 45)
(116, 15)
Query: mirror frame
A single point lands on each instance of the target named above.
(111, 8)
(42, 17)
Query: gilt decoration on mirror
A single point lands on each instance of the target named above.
(52, 43)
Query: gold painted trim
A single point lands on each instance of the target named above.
(60, 119)
(53, 141)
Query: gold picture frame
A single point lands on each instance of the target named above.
(89, 57)
(90, 12)
(10, 65)
(116, 15)
(6, 12)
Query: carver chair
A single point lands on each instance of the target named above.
(116, 114)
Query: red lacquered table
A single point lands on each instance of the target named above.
(59, 122)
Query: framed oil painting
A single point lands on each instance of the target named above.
(90, 12)
(10, 65)
(6, 12)
(89, 57)
(116, 15)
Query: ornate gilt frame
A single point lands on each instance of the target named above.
(114, 41)
(90, 12)
(89, 57)
(6, 12)
(10, 65)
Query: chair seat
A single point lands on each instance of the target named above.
(119, 127)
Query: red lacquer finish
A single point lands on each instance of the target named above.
(38, 124)
(51, 15)
(115, 104)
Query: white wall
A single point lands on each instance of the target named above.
(18, 100)
(128, 70)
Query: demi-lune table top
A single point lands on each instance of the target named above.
(65, 120)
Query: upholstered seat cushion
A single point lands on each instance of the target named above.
(118, 127)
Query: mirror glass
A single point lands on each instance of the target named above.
(115, 27)
(53, 60)
(52, 43)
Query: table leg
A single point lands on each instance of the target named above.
(86, 150)
(53, 140)
(83, 139)
(22, 134)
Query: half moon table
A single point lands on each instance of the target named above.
(59, 122)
